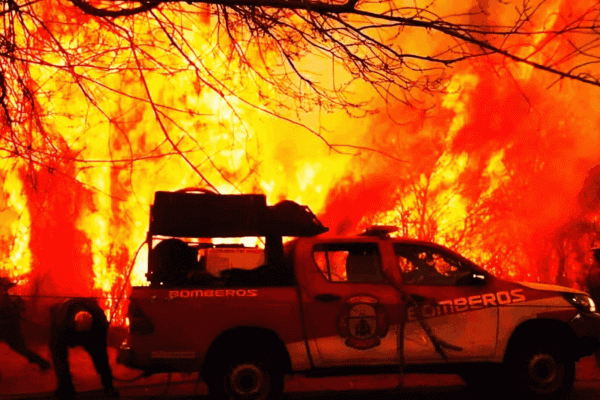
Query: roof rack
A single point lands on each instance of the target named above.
(201, 213)
(380, 231)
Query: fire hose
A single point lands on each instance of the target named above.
(119, 298)
(439, 345)
(141, 375)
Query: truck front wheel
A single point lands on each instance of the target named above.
(541, 369)
(247, 378)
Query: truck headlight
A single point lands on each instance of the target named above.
(580, 301)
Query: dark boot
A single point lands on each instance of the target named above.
(65, 392)
(44, 365)
(111, 392)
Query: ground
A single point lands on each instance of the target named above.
(23, 380)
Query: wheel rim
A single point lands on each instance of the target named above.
(545, 373)
(247, 380)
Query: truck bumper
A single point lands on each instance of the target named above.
(586, 327)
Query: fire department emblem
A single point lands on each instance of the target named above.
(363, 322)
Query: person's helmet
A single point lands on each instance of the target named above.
(83, 321)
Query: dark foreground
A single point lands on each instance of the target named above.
(21, 380)
(582, 390)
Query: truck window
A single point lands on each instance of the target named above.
(349, 262)
(422, 265)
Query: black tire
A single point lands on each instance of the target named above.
(247, 378)
(541, 368)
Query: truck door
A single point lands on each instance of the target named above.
(452, 304)
(351, 311)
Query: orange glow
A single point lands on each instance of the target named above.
(14, 232)
(491, 168)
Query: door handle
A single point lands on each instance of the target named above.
(327, 297)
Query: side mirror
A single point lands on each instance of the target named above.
(472, 279)
(478, 279)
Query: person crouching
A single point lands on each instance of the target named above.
(79, 322)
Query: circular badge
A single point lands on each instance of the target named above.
(362, 322)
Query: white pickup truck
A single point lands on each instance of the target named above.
(323, 304)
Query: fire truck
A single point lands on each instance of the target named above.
(307, 302)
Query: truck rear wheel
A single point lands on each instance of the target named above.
(247, 378)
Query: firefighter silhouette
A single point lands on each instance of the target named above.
(11, 309)
(593, 278)
(79, 322)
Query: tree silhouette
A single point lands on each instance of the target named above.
(399, 51)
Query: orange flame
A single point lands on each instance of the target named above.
(492, 169)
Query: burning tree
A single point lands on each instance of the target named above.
(472, 120)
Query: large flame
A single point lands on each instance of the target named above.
(492, 168)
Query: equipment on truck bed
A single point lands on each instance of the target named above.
(208, 215)
(198, 214)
